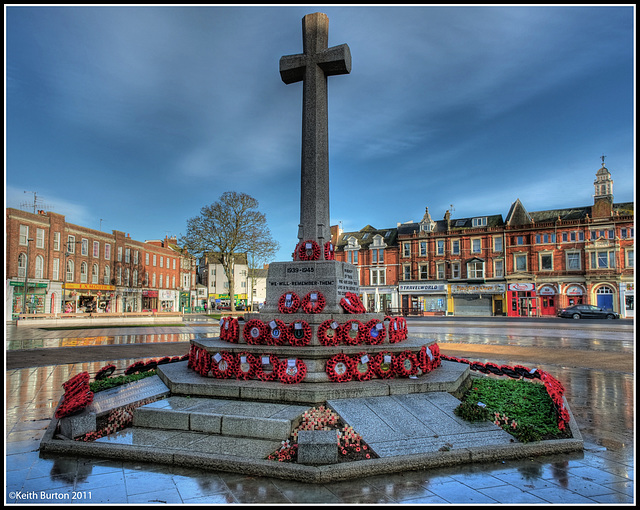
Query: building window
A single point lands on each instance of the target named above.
(71, 244)
(24, 235)
(107, 251)
(135, 257)
(546, 262)
(479, 222)
(107, 275)
(84, 247)
(56, 241)
(94, 273)
(96, 249)
(573, 261)
(146, 258)
(440, 275)
(127, 255)
(455, 270)
(161, 285)
(127, 275)
(406, 249)
(520, 262)
(146, 279)
(455, 247)
(161, 262)
(173, 282)
(352, 257)
(22, 265)
(39, 266)
(520, 240)
(476, 245)
(119, 276)
(423, 248)
(424, 272)
(406, 272)
(84, 269)
(603, 260)
(629, 258)
(497, 244)
(440, 246)
(498, 268)
(153, 280)
(154, 260)
(70, 270)
(135, 277)
(40, 238)
(55, 273)
(545, 238)
(174, 263)
(475, 269)
(119, 253)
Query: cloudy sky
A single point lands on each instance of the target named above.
(134, 118)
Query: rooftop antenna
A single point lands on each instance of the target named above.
(602, 158)
(35, 204)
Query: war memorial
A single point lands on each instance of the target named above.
(312, 356)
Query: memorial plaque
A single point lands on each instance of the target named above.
(113, 398)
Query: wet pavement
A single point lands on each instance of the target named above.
(602, 402)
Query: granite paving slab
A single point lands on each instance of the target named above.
(416, 423)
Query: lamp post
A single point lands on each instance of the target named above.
(26, 277)
(67, 254)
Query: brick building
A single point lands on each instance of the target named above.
(527, 264)
(77, 269)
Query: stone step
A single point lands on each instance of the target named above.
(260, 420)
(449, 377)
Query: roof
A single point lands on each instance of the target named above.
(366, 235)
(455, 224)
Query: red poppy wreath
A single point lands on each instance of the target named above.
(313, 302)
(339, 368)
(223, 365)
(308, 250)
(352, 332)
(289, 302)
(267, 367)
(292, 371)
(329, 333)
(254, 332)
(299, 333)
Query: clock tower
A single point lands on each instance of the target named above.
(603, 193)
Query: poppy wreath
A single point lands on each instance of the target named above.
(313, 302)
(381, 367)
(402, 328)
(394, 333)
(223, 365)
(134, 368)
(289, 374)
(339, 368)
(203, 365)
(362, 367)
(229, 329)
(347, 331)
(351, 303)
(152, 364)
(267, 375)
(277, 333)
(77, 395)
(289, 302)
(299, 335)
(308, 250)
(166, 359)
(329, 254)
(406, 364)
(192, 356)
(105, 372)
(425, 360)
(254, 332)
(245, 369)
(329, 333)
(374, 332)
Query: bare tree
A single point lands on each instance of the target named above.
(228, 227)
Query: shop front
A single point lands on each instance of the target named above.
(484, 300)
(185, 302)
(522, 300)
(168, 300)
(131, 299)
(423, 298)
(378, 299)
(149, 300)
(88, 298)
(627, 292)
(548, 300)
(35, 299)
(574, 295)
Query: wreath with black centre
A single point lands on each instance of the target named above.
(309, 250)
(329, 333)
(299, 333)
(267, 367)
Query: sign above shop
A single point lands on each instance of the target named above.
(522, 286)
(488, 288)
(422, 287)
(89, 286)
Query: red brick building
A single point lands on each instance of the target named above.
(529, 264)
(74, 268)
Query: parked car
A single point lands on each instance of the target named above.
(587, 312)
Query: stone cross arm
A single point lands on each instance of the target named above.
(333, 61)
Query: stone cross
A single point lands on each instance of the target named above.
(312, 68)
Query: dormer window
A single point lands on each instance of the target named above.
(479, 222)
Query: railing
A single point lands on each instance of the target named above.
(96, 315)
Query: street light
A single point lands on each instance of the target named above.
(26, 276)
(67, 254)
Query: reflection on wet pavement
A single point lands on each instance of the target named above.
(602, 403)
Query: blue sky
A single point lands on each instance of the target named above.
(133, 118)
